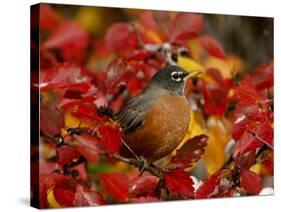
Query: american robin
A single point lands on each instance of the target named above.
(155, 121)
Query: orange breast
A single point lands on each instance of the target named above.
(165, 125)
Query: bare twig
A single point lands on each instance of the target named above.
(261, 139)
(140, 41)
(58, 140)
(131, 151)
(227, 163)
(139, 164)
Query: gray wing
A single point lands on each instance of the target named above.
(131, 116)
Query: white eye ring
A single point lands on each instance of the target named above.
(176, 76)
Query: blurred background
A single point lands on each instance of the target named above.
(251, 38)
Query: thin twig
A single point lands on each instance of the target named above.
(58, 140)
(261, 139)
(140, 41)
(129, 148)
(139, 164)
(76, 162)
(259, 154)
(227, 163)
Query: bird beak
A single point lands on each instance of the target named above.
(193, 74)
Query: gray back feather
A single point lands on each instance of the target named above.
(132, 114)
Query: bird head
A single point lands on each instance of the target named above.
(172, 78)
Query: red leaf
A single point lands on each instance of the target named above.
(88, 147)
(116, 185)
(68, 34)
(118, 73)
(69, 103)
(186, 26)
(87, 111)
(212, 46)
(247, 160)
(215, 93)
(146, 199)
(147, 20)
(47, 60)
(215, 99)
(65, 76)
(66, 154)
(240, 123)
(210, 187)
(66, 103)
(49, 18)
(148, 70)
(111, 138)
(85, 197)
(42, 189)
(248, 142)
(217, 77)
(64, 194)
(48, 181)
(246, 117)
(247, 94)
(51, 119)
(139, 55)
(120, 38)
(46, 167)
(191, 151)
(135, 85)
(117, 104)
(251, 182)
(262, 77)
(143, 186)
(73, 54)
(180, 183)
(71, 39)
(265, 132)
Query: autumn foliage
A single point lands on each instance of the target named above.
(84, 80)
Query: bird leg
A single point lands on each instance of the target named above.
(144, 165)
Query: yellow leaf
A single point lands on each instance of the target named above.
(72, 121)
(228, 67)
(257, 168)
(219, 135)
(194, 49)
(196, 125)
(47, 150)
(153, 36)
(49, 96)
(90, 18)
(189, 64)
(52, 200)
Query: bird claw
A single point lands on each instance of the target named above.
(144, 165)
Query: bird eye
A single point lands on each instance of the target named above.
(176, 76)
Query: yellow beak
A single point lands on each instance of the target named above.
(193, 74)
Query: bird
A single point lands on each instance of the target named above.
(155, 121)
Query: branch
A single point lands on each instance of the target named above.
(140, 41)
(227, 163)
(58, 140)
(261, 139)
(140, 164)
(131, 151)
